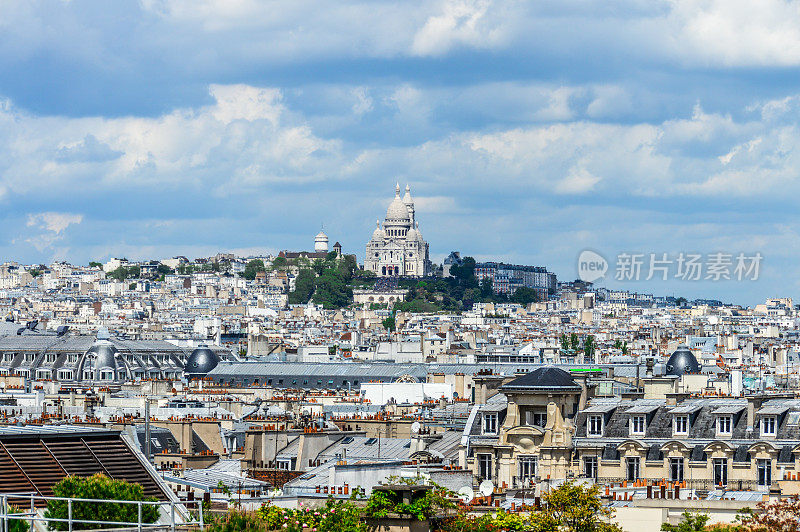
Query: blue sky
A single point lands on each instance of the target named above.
(529, 131)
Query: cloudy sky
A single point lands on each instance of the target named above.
(528, 131)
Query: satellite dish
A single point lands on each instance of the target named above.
(415, 426)
(486, 488)
(466, 494)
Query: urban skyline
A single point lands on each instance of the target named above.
(136, 132)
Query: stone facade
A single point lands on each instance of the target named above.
(397, 249)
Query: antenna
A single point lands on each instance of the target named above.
(486, 488)
(466, 494)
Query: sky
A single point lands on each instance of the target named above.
(528, 131)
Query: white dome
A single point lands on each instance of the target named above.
(397, 211)
(378, 233)
(412, 235)
(321, 242)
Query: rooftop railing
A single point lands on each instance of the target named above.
(175, 513)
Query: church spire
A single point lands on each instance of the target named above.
(397, 189)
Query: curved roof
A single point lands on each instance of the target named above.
(397, 211)
(682, 361)
(105, 352)
(548, 378)
(201, 361)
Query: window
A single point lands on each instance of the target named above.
(490, 423)
(769, 426)
(632, 468)
(721, 471)
(106, 375)
(538, 419)
(764, 468)
(724, 425)
(594, 426)
(590, 467)
(638, 425)
(528, 466)
(485, 466)
(676, 469)
(681, 424)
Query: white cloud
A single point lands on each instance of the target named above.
(51, 227)
(578, 181)
(460, 22)
(363, 101)
(55, 222)
(737, 32)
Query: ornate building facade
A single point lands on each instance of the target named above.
(397, 249)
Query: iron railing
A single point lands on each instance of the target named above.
(175, 513)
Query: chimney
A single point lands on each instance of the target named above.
(753, 404)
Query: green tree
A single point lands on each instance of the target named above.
(16, 525)
(303, 287)
(574, 342)
(331, 291)
(622, 346)
(163, 269)
(524, 296)
(347, 266)
(120, 274)
(185, 269)
(99, 487)
(575, 508)
(318, 266)
(486, 288)
(35, 273)
(252, 268)
(94, 264)
(279, 264)
(564, 342)
(589, 347)
(465, 273)
(690, 522)
(389, 323)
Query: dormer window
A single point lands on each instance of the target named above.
(638, 425)
(681, 425)
(490, 423)
(725, 425)
(594, 425)
(769, 426)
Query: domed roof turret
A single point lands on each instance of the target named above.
(682, 361)
(321, 242)
(105, 355)
(407, 197)
(378, 233)
(397, 211)
(201, 361)
(417, 233)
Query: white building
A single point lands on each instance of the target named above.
(397, 248)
